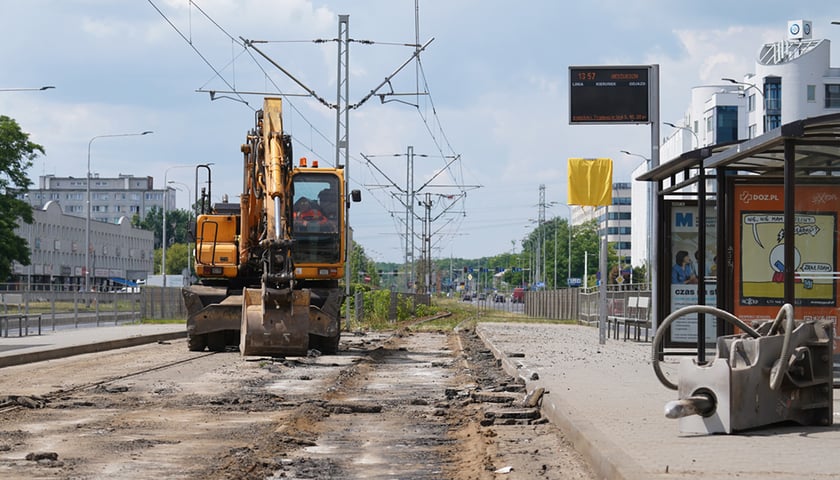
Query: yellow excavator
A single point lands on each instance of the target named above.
(269, 267)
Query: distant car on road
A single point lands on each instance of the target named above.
(518, 295)
(499, 298)
(482, 297)
(466, 297)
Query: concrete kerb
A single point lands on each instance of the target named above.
(606, 458)
(63, 352)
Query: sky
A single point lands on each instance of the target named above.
(490, 127)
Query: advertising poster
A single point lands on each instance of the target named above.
(686, 270)
(759, 249)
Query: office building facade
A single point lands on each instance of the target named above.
(793, 80)
(118, 251)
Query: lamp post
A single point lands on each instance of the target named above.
(31, 257)
(163, 226)
(681, 127)
(760, 90)
(189, 192)
(569, 259)
(745, 84)
(87, 201)
(27, 89)
(650, 209)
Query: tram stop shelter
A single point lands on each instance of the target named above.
(747, 227)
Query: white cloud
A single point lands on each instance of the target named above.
(499, 86)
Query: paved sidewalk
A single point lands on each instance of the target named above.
(74, 341)
(610, 403)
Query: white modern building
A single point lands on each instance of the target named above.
(793, 80)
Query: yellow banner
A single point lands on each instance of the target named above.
(590, 181)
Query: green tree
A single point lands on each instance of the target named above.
(178, 224)
(16, 156)
(176, 258)
(361, 265)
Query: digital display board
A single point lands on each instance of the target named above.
(609, 94)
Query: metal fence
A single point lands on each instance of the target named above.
(580, 304)
(47, 307)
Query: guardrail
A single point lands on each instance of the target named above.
(56, 304)
(23, 323)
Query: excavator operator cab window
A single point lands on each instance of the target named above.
(316, 215)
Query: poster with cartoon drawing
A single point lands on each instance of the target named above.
(759, 245)
(763, 240)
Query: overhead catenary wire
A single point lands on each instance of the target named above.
(433, 126)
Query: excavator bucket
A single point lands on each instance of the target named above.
(274, 322)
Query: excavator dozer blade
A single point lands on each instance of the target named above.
(274, 322)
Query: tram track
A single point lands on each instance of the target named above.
(397, 401)
(10, 403)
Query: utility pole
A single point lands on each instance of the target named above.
(342, 145)
(409, 217)
(540, 260)
(342, 129)
(408, 197)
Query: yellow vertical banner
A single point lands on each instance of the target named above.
(590, 181)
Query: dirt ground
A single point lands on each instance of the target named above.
(411, 405)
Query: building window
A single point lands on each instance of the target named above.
(752, 131)
(751, 103)
(727, 124)
(811, 93)
(773, 95)
(832, 96)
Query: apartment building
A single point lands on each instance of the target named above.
(110, 198)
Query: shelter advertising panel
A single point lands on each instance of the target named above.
(686, 270)
(759, 251)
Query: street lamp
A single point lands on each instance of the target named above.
(31, 256)
(87, 208)
(165, 205)
(680, 127)
(27, 89)
(745, 84)
(569, 259)
(189, 192)
(649, 220)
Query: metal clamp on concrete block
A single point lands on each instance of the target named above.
(777, 372)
